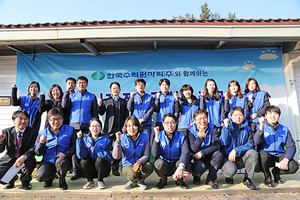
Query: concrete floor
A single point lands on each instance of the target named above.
(114, 187)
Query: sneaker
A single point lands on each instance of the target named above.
(101, 185)
(88, 185)
(142, 185)
(129, 185)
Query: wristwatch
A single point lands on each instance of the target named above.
(181, 167)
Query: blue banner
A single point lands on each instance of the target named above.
(179, 66)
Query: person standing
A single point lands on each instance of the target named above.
(164, 102)
(19, 142)
(141, 105)
(83, 107)
(29, 103)
(70, 86)
(116, 112)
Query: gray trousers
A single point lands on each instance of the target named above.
(249, 160)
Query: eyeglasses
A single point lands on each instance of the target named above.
(57, 119)
(169, 123)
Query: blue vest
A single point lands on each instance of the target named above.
(187, 115)
(213, 108)
(240, 140)
(101, 142)
(207, 140)
(141, 107)
(167, 105)
(81, 107)
(133, 153)
(236, 101)
(274, 142)
(56, 144)
(30, 107)
(258, 103)
(171, 153)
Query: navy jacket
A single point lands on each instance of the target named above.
(274, 139)
(243, 136)
(207, 145)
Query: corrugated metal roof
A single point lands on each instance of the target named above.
(144, 22)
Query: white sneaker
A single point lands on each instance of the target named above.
(101, 184)
(89, 185)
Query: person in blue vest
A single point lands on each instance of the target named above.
(94, 152)
(213, 102)
(164, 102)
(29, 103)
(57, 145)
(205, 147)
(258, 99)
(141, 105)
(235, 97)
(238, 148)
(277, 147)
(134, 148)
(83, 107)
(171, 151)
(185, 107)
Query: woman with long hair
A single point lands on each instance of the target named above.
(258, 99)
(213, 102)
(186, 106)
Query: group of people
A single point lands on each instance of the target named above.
(227, 132)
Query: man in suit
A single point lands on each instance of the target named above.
(19, 142)
(116, 113)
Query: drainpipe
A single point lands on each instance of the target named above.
(294, 99)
